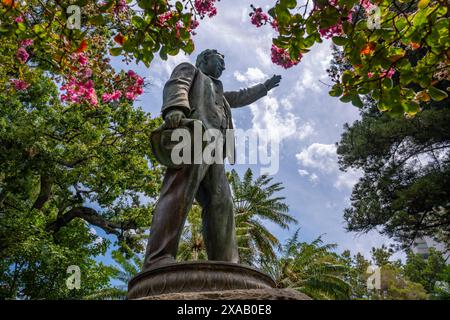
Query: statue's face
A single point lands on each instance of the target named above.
(214, 65)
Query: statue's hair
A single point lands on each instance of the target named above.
(204, 55)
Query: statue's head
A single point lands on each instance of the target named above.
(211, 62)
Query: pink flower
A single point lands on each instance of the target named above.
(365, 4)
(162, 18)
(131, 73)
(369, 74)
(282, 58)
(19, 85)
(82, 59)
(332, 31)
(19, 19)
(258, 17)
(388, 74)
(194, 24)
(22, 55)
(106, 97)
(274, 24)
(121, 6)
(86, 73)
(205, 7)
(26, 43)
(129, 95)
(79, 92)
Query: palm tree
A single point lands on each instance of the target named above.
(129, 267)
(255, 202)
(192, 246)
(311, 268)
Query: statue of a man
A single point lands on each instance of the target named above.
(195, 92)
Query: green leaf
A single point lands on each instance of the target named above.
(411, 107)
(437, 94)
(137, 21)
(115, 51)
(340, 41)
(423, 4)
(289, 3)
(346, 98)
(189, 48)
(179, 6)
(97, 20)
(336, 91)
(356, 101)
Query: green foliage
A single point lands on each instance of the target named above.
(426, 271)
(255, 201)
(408, 39)
(192, 246)
(127, 268)
(311, 268)
(63, 168)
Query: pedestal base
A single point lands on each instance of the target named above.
(249, 294)
(207, 278)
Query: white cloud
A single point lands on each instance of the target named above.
(314, 178)
(252, 75)
(323, 158)
(268, 118)
(305, 130)
(303, 172)
(319, 156)
(347, 179)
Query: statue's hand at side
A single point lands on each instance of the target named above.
(173, 118)
(272, 82)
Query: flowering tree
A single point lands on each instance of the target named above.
(397, 50)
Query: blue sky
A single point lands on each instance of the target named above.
(299, 114)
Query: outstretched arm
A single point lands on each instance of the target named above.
(247, 96)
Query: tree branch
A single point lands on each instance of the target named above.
(44, 193)
(90, 215)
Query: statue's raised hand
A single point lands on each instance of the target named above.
(272, 82)
(173, 118)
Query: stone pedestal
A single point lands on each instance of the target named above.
(206, 280)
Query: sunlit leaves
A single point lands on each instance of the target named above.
(405, 46)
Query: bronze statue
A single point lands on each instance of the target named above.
(195, 92)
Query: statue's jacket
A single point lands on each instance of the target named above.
(201, 97)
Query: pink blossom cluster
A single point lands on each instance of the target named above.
(205, 8)
(22, 54)
(19, 19)
(366, 4)
(282, 58)
(80, 87)
(162, 18)
(389, 73)
(121, 6)
(193, 26)
(79, 91)
(19, 85)
(115, 96)
(131, 90)
(134, 87)
(274, 24)
(331, 31)
(258, 17)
